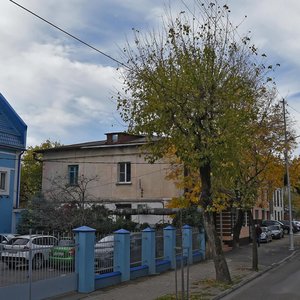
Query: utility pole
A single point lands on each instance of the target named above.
(291, 235)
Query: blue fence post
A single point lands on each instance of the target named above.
(148, 249)
(170, 244)
(84, 258)
(187, 243)
(202, 242)
(122, 253)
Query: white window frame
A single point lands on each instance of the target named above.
(123, 176)
(6, 173)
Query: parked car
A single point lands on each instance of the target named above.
(63, 255)
(18, 250)
(266, 235)
(5, 238)
(267, 223)
(104, 251)
(104, 254)
(286, 224)
(297, 225)
(277, 231)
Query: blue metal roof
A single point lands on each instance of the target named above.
(12, 128)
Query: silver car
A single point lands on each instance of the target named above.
(277, 231)
(22, 250)
(266, 235)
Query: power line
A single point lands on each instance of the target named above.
(292, 108)
(69, 34)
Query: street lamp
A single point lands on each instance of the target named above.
(291, 235)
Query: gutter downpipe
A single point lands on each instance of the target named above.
(19, 179)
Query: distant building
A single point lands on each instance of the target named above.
(277, 205)
(12, 144)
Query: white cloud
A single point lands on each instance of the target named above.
(53, 93)
(62, 89)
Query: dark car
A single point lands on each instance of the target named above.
(267, 223)
(286, 228)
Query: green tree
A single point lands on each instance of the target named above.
(261, 168)
(194, 87)
(31, 171)
(50, 215)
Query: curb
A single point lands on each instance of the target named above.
(254, 276)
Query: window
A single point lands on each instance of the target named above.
(73, 174)
(3, 181)
(124, 172)
(114, 138)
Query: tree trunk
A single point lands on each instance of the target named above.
(221, 267)
(254, 243)
(237, 228)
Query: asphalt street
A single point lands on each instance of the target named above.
(279, 283)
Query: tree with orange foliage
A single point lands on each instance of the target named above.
(261, 168)
(196, 87)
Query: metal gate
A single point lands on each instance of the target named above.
(37, 266)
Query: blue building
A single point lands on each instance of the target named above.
(12, 144)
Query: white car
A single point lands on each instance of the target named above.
(105, 247)
(19, 250)
(104, 254)
(266, 235)
(5, 238)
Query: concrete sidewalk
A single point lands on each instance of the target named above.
(201, 276)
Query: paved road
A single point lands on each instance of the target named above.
(281, 283)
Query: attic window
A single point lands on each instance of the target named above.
(114, 138)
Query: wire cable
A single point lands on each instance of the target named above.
(297, 111)
(69, 34)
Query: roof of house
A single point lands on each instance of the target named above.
(13, 130)
(123, 139)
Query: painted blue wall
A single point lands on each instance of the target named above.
(7, 161)
(12, 142)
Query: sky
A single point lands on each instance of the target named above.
(64, 90)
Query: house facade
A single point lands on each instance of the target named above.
(120, 177)
(12, 144)
(117, 172)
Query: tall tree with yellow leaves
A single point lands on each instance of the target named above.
(196, 88)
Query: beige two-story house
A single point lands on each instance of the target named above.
(118, 174)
